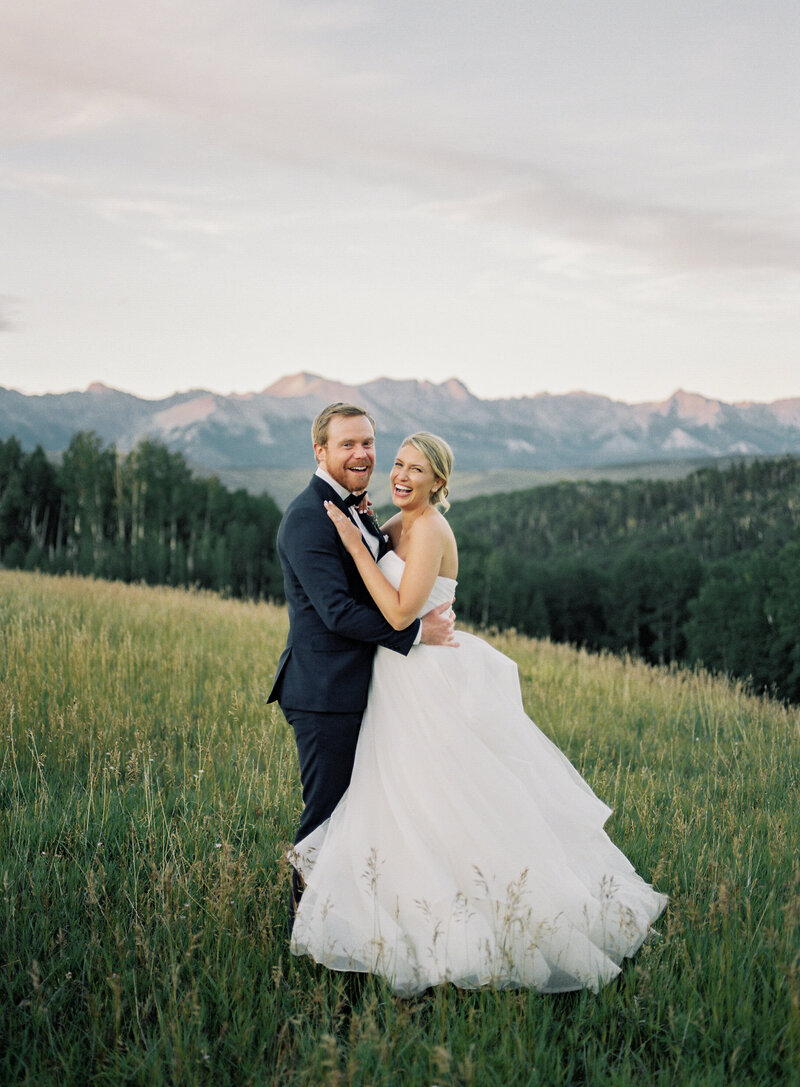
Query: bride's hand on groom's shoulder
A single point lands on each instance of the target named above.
(350, 535)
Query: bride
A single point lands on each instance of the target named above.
(467, 847)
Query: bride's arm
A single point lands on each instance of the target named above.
(398, 606)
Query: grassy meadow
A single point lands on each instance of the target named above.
(147, 795)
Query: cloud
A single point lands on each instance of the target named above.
(8, 311)
(260, 73)
(171, 215)
(558, 214)
(164, 217)
(671, 238)
(282, 83)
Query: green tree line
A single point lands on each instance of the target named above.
(704, 569)
(137, 517)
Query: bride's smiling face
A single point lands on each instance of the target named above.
(412, 479)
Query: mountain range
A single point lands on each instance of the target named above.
(269, 430)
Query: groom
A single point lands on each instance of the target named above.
(334, 627)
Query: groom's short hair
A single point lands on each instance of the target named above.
(319, 428)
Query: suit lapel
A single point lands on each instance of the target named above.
(370, 524)
(326, 491)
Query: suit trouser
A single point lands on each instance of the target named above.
(326, 747)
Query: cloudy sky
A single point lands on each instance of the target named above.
(525, 194)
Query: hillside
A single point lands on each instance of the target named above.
(711, 512)
(148, 796)
(705, 568)
(282, 484)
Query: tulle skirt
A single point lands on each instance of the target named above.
(467, 848)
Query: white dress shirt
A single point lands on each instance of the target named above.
(370, 540)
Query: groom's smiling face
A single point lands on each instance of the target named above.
(349, 454)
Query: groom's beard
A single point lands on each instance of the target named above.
(354, 481)
(357, 483)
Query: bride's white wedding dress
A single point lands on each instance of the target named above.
(467, 848)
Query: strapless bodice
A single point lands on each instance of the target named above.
(444, 588)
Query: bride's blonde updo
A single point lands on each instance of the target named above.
(439, 455)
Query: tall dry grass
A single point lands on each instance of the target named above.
(147, 793)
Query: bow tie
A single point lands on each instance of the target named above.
(367, 518)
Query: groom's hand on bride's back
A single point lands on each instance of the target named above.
(438, 626)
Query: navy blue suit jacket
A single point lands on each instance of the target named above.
(334, 626)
